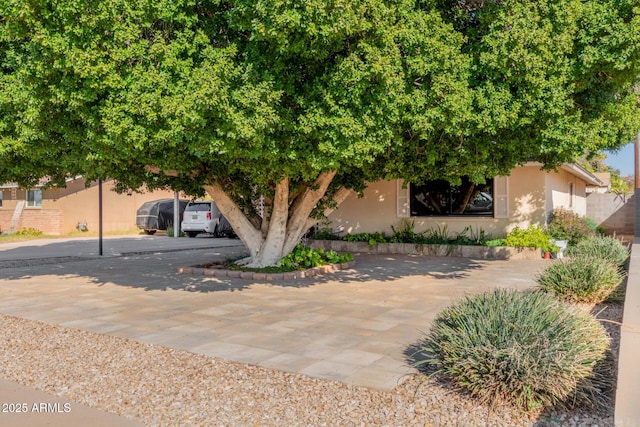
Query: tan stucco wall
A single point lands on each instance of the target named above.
(557, 186)
(375, 211)
(527, 199)
(76, 203)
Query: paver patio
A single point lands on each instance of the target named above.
(353, 326)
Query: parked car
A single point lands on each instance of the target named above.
(224, 229)
(157, 215)
(200, 216)
(482, 203)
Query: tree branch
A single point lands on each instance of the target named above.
(339, 197)
(241, 225)
(302, 207)
(173, 172)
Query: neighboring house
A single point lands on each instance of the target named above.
(527, 196)
(605, 178)
(60, 210)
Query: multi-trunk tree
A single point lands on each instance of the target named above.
(297, 103)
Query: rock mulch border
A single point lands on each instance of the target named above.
(252, 275)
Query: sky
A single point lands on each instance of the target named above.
(622, 160)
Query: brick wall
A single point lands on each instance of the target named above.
(5, 219)
(48, 221)
(614, 212)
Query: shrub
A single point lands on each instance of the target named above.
(171, 231)
(471, 236)
(305, 257)
(494, 242)
(29, 231)
(405, 233)
(583, 279)
(567, 225)
(600, 247)
(370, 238)
(524, 349)
(532, 237)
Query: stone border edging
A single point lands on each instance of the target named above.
(464, 251)
(252, 275)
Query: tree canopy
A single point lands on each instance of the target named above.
(296, 101)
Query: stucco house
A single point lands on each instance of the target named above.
(527, 196)
(59, 210)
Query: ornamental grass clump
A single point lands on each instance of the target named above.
(528, 349)
(585, 279)
(600, 247)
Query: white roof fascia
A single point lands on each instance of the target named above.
(575, 170)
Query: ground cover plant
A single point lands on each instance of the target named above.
(524, 349)
(301, 258)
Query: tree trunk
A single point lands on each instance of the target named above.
(288, 220)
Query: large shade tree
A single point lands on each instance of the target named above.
(296, 103)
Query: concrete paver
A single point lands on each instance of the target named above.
(353, 326)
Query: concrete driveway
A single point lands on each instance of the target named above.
(355, 326)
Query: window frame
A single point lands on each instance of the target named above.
(32, 200)
(445, 191)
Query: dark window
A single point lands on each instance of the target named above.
(439, 198)
(34, 198)
(202, 207)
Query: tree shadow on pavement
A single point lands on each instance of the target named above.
(158, 270)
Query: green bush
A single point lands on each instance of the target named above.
(524, 349)
(584, 279)
(303, 257)
(171, 231)
(600, 247)
(494, 242)
(370, 238)
(567, 225)
(405, 233)
(471, 236)
(532, 237)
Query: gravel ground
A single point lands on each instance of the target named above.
(168, 387)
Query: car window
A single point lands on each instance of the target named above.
(199, 207)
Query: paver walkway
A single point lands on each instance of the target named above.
(353, 326)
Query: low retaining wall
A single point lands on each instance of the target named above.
(477, 252)
(290, 275)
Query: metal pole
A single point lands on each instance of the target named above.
(637, 161)
(176, 215)
(100, 217)
(636, 191)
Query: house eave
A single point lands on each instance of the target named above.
(576, 170)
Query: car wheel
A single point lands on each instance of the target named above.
(191, 233)
(150, 232)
